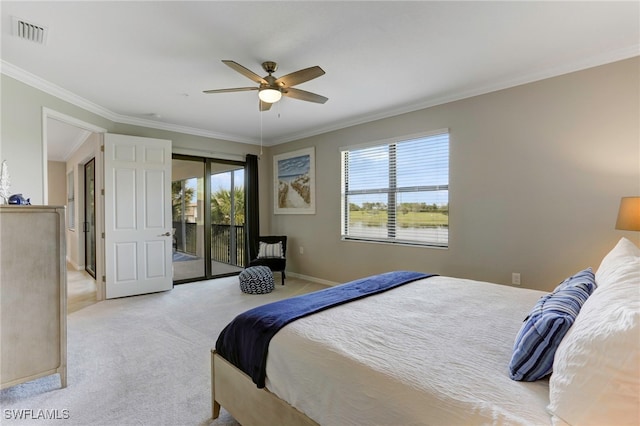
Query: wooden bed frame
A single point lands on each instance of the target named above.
(235, 391)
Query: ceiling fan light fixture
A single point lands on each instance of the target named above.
(271, 89)
(269, 95)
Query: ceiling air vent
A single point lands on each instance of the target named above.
(29, 31)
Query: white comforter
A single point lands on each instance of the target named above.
(433, 352)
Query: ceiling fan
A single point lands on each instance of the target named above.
(271, 89)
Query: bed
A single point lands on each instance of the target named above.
(439, 350)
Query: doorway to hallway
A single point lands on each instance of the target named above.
(81, 289)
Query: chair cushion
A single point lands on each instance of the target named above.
(256, 280)
(267, 251)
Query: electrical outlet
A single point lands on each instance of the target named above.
(301, 250)
(515, 278)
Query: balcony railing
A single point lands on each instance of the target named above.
(186, 239)
(221, 244)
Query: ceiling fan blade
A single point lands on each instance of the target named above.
(300, 76)
(264, 106)
(245, 71)
(236, 89)
(303, 95)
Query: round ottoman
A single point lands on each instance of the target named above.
(256, 280)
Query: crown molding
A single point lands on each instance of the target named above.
(541, 74)
(594, 61)
(36, 82)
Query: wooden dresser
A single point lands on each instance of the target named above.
(33, 294)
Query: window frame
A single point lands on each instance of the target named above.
(392, 191)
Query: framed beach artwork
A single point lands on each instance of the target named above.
(295, 182)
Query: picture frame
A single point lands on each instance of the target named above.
(295, 182)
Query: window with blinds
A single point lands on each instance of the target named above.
(397, 192)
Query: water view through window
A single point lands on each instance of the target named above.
(397, 192)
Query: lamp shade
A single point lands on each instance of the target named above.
(629, 214)
(269, 95)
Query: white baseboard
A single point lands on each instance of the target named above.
(312, 279)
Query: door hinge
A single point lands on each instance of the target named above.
(102, 191)
(103, 235)
(104, 278)
(102, 148)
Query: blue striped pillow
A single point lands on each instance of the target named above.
(586, 277)
(546, 325)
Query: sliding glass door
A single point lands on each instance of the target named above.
(187, 209)
(227, 218)
(208, 218)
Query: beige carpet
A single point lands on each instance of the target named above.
(141, 360)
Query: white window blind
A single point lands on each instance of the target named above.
(397, 192)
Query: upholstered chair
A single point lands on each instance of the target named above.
(272, 252)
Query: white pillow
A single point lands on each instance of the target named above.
(270, 250)
(623, 253)
(596, 369)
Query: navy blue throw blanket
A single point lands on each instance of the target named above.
(245, 341)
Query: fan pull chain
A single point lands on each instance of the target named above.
(260, 132)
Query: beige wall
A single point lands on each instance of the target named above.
(56, 172)
(21, 139)
(536, 176)
(537, 172)
(21, 144)
(21, 134)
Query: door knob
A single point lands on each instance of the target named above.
(166, 234)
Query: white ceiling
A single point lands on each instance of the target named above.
(148, 62)
(63, 139)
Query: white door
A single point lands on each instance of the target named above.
(138, 237)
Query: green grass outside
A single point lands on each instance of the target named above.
(405, 220)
